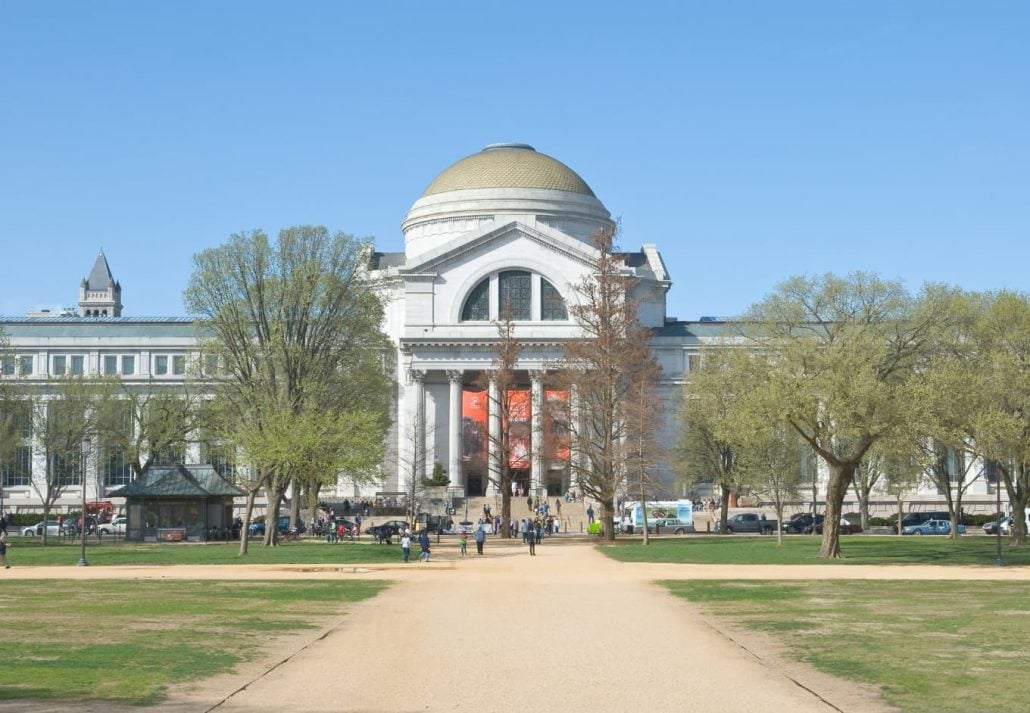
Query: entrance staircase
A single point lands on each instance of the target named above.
(573, 515)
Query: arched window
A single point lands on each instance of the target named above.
(477, 306)
(529, 296)
(552, 306)
(516, 294)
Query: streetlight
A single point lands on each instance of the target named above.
(82, 526)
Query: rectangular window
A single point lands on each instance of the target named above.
(25, 365)
(68, 468)
(179, 364)
(211, 364)
(8, 365)
(110, 364)
(128, 365)
(115, 469)
(693, 362)
(160, 365)
(60, 365)
(78, 365)
(18, 471)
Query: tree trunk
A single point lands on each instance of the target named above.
(724, 508)
(779, 521)
(1017, 480)
(251, 493)
(863, 510)
(607, 515)
(901, 512)
(841, 475)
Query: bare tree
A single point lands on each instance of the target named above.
(505, 405)
(602, 369)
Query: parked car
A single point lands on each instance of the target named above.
(115, 527)
(749, 522)
(991, 528)
(915, 518)
(801, 523)
(52, 528)
(931, 527)
(846, 527)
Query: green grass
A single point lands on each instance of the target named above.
(929, 646)
(127, 641)
(857, 549)
(30, 551)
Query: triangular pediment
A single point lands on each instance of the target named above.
(472, 245)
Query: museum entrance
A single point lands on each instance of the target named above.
(520, 478)
(475, 485)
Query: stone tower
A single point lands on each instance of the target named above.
(99, 294)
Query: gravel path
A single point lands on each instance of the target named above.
(567, 630)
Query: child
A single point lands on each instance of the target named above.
(464, 542)
(406, 545)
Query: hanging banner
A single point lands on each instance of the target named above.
(557, 437)
(474, 409)
(519, 429)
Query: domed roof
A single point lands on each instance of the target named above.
(508, 166)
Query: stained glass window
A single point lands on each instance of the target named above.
(477, 306)
(552, 306)
(516, 294)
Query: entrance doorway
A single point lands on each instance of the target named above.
(474, 486)
(521, 478)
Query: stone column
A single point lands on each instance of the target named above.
(536, 411)
(454, 431)
(493, 453)
(418, 378)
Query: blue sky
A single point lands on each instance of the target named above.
(750, 141)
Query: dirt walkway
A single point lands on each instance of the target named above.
(559, 631)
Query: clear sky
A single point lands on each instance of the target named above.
(750, 141)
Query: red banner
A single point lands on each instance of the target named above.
(557, 439)
(519, 429)
(474, 409)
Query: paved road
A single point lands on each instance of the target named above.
(562, 631)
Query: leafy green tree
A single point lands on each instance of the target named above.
(293, 326)
(61, 420)
(770, 465)
(840, 366)
(707, 450)
(1003, 428)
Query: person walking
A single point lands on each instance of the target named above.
(3, 550)
(480, 539)
(531, 540)
(406, 545)
(590, 514)
(464, 542)
(423, 543)
(3, 524)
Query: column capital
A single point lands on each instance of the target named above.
(417, 375)
(537, 374)
(455, 375)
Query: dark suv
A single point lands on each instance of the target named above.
(801, 523)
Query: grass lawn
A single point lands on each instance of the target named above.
(930, 646)
(857, 549)
(30, 551)
(126, 641)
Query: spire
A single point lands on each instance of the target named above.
(100, 277)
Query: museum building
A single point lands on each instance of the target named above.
(508, 225)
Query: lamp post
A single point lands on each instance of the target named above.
(82, 527)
